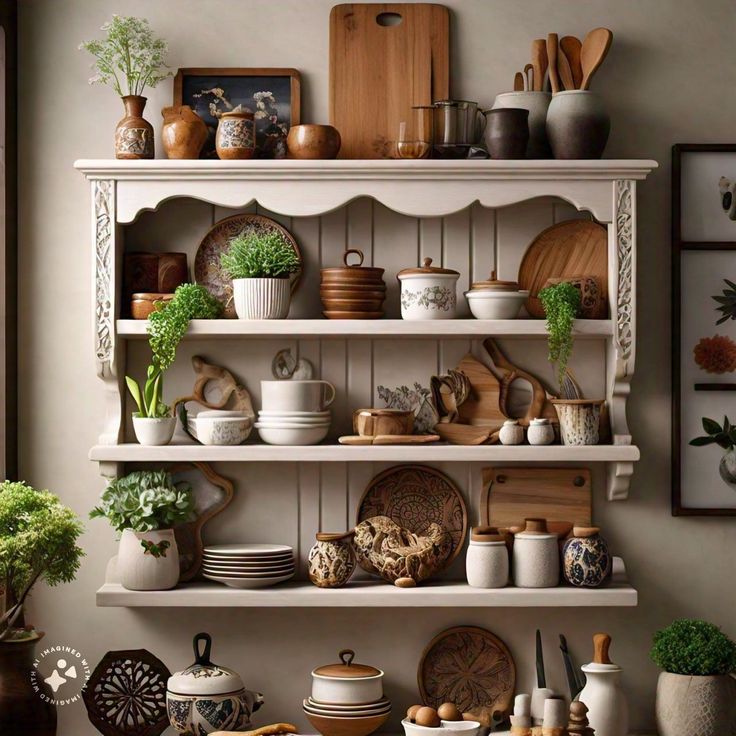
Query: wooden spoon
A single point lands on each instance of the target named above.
(554, 78)
(529, 76)
(539, 63)
(564, 70)
(518, 82)
(571, 46)
(593, 52)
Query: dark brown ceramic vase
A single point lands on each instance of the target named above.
(507, 132)
(23, 710)
(577, 125)
(134, 135)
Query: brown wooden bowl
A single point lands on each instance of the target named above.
(143, 303)
(330, 726)
(353, 305)
(313, 141)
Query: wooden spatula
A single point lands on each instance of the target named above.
(552, 45)
(529, 77)
(564, 70)
(571, 46)
(539, 63)
(518, 82)
(593, 52)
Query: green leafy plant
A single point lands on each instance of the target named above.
(561, 304)
(723, 436)
(145, 500)
(129, 52)
(726, 302)
(38, 538)
(693, 647)
(155, 550)
(259, 255)
(149, 401)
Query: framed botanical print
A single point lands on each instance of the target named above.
(704, 330)
(273, 95)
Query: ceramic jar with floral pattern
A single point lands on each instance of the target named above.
(236, 135)
(206, 697)
(586, 561)
(332, 559)
(428, 292)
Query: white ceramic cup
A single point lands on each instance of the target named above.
(311, 396)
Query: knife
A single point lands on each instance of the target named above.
(541, 679)
(575, 678)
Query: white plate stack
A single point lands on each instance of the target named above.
(293, 427)
(248, 565)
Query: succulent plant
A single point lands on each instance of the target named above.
(726, 302)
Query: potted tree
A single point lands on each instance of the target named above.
(144, 507)
(154, 423)
(260, 265)
(696, 692)
(129, 59)
(579, 418)
(38, 541)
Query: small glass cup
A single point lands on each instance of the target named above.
(415, 137)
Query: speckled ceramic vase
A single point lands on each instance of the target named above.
(586, 561)
(579, 420)
(577, 125)
(332, 559)
(536, 556)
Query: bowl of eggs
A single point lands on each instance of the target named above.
(447, 720)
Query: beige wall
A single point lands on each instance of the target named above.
(669, 78)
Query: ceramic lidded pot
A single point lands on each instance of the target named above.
(511, 433)
(536, 559)
(537, 104)
(347, 683)
(183, 133)
(586, 561)
(540, 432)
(206, 697)
(134, 134)
(236, 135)
(487, 558)
(428, 292)
(577, 125)
(495, 299)
(332, 559)
(352, 291)
(507, 132)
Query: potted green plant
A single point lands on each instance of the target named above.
(579, 418)
(154, 423)
(696, 691)
(260, 265)
(129, 59)
(144, 507)
(38, 541)
(725, 437)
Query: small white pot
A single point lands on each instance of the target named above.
(262, 298)
(540, 432)
(536, 559)
(495, 304)
(347, 683)
(428, 292)
(142, 566)
(487, 562)
(153, 431)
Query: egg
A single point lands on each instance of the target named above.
(411, 714)
(449, 712)
(428, 717)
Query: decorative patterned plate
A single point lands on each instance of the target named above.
(415, 496)
(207, 271)
(126, 694)
(471, 667)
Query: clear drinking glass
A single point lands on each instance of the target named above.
(415, 135)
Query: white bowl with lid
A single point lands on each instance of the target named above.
(428, 292)
(347, 683)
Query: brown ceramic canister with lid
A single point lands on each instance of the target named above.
(347, 682)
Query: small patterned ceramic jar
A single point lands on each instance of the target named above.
(586, 561)
(487, 558)
(540, 432)
(332, 559)
(579, 420)
(536, 561)
(236, 135)
(511, 433)
(428, 292)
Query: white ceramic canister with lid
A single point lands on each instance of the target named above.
(536, 559)
(428, 292)
(347, 683)
(487, 558)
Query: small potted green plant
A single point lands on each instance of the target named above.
(260, 265)
(725, 437)
(144, 507)
(579, 418)
(696, 690)
(154, 423)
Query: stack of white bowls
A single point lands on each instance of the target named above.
(295, 412)
(248, 565)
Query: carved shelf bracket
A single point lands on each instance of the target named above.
(103, 193)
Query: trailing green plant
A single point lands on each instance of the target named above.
(129, 58)
(259, 255)
(145, 500)
(38, 541)
(726, 302)
(715, 434)
(561, 304)
(693, 647)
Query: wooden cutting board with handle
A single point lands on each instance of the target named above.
(560, 495)
(384, 58)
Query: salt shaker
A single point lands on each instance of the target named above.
(511, 433)
(536, 560)
(540, 432)
(487, 558)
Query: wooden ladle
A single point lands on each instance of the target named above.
(593, 52)
(571, 46)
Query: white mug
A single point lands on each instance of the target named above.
(292, 396)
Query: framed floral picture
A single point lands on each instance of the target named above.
(704, 330)
(273, 95)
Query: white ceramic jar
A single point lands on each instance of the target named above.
(154, 431)
(347, 683)
(540, 432)
(536, 560)
(511, 433)
(428, 292)
(148, 560)
(487, 558)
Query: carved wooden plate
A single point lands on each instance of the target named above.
(126, 694)
(207, 271)
(472, 668)
(415, 496)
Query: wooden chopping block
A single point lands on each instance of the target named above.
(482, 408)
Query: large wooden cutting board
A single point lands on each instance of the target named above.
(377, 72)
(560, 495)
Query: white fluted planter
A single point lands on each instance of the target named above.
(262, 298)
(148, 560)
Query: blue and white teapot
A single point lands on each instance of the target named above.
(206, 697)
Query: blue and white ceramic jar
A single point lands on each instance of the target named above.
(586, 560)
(206, 697)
